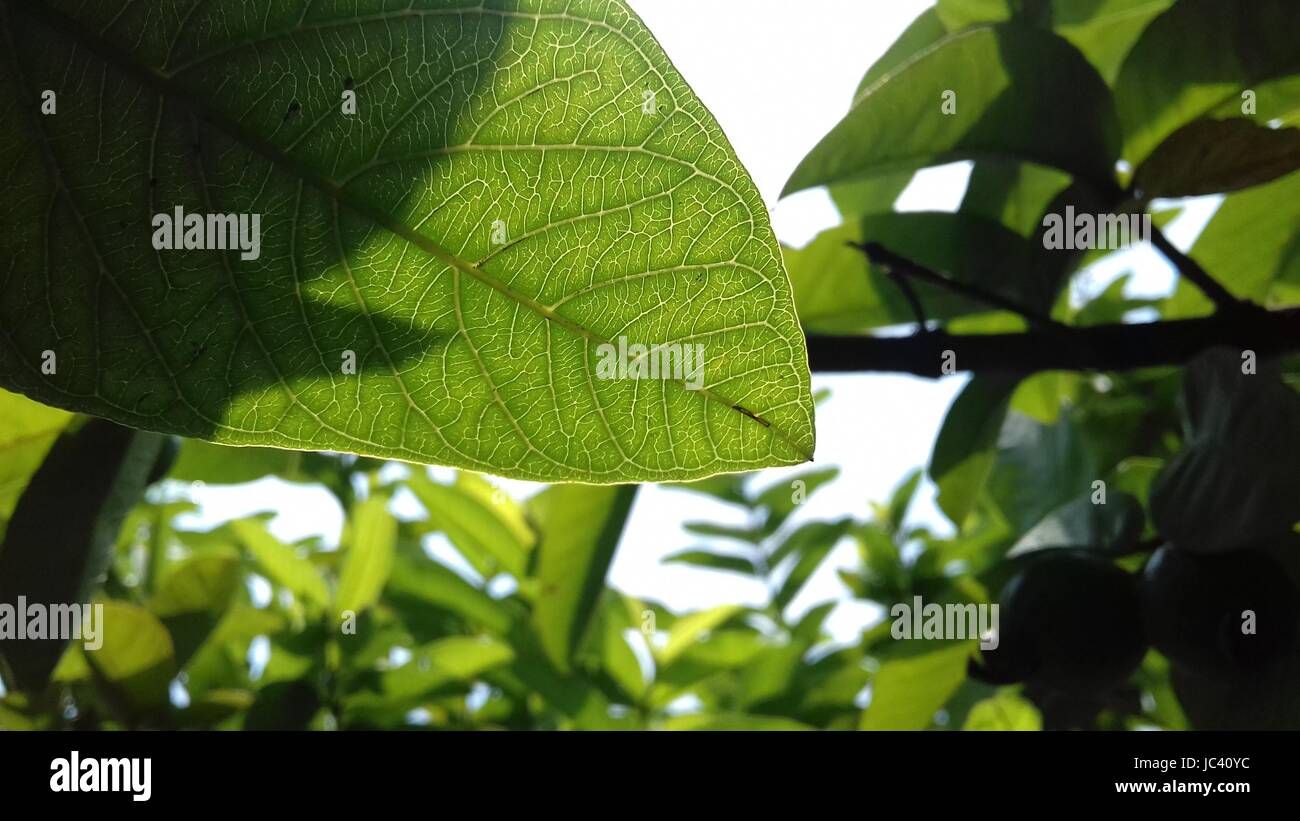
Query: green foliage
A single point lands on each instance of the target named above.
(55, 551)
(517, 186)
(1008, 107)
(490, 611)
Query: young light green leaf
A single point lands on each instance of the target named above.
(908, 690)
(459, 205)
(372, 543)
(135, 659)
(199, 583)
(27, 430)
(420, 584)
(200, 461)
(733, 722)
(992, 90)
(192, 598)
(743, 533)
(901, 499)
(442, 662)
(690, 628)
(279, 561)
(782, 497)
(485, 525)
(1005, 711)
(581, 527)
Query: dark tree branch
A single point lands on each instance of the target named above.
(898, 266)
(1115, 347)
(1192, 271)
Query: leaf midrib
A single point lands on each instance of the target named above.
(166, 87)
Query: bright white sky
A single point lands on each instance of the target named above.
(777, 75)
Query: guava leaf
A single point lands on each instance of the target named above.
(986, 91)
(1233, 484)
(520, 183)
(1201, 56)
(581, 527)
(1214, 156)
(58, 545)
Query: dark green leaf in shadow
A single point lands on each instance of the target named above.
(1234, 482)
(1216, 156)
(966, 448)
(58, 542)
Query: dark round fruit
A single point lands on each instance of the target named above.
(1070, 622)
(166, 458)
(1194, 610)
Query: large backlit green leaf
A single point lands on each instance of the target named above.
(1006, 84)
(521, 181)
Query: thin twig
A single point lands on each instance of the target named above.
(1192, 271)
(898, 264)
(909, 293)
